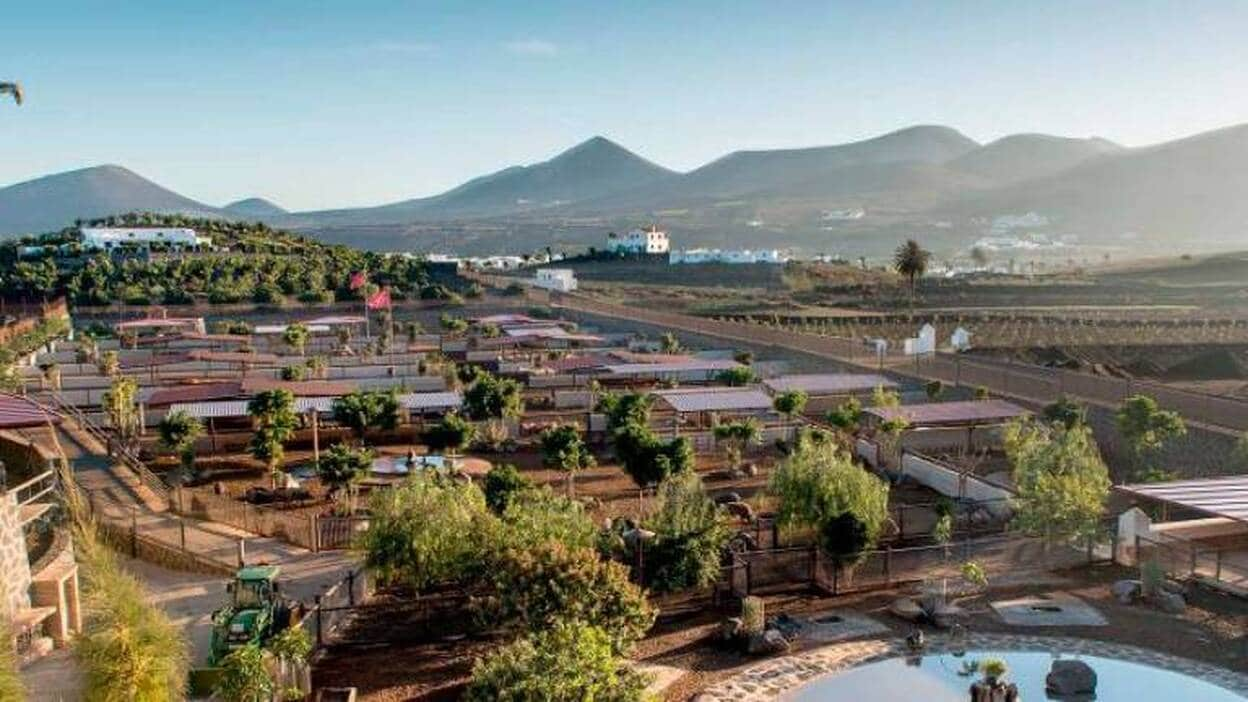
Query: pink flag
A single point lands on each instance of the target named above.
(379, 300)
(358, 279)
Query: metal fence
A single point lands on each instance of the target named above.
(297, 529)
(1221, 566)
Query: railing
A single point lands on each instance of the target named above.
(149, 479)
(39, 486)
(1184, 559)
(296, 529)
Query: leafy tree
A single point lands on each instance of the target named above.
(562, 448)
(121, 408)
(539, 587)
(690, 534)
(820, 486)
(1147, 428)
(934, 389)
(738, 436)
(736, 377)
(245, 676)
(503, 484)
(109, 363)
(1066, 412)
(648, 459)
(885, 397)
(491, 397)
(451, 434)
(452, 324)
(847, 416)
(538, 516)
(668, 343)
(910, 260)
(428, 531)
(343, 466)
(569, 662)
(296, 337)
(361, 411)
(630, 408)
(178, 432)
(274, 419)
(317, 366)
(1061, 481)
(791, 403)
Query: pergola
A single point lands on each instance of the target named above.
(1216, 497)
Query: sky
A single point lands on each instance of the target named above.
(332, 104)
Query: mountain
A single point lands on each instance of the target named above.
(1022, 156)
(591, 169)
(55, 201)
(254, 207)
(1190, 192)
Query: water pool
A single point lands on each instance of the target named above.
(936, 678)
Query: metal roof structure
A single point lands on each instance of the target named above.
(19, 412)
(548, 332)
(212, 409)
(281, 328)
(709, 365)
(829, 383)
(336, 320)
(233, 357)
(951, 414)
(198, 392)
(417, 401)
(714, 399)
(1220, 497)
(301, 388)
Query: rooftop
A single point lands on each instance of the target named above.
(828, 383)
(19, 412)
(714, 399)
(944, 414)
(1220, 497)
(197, 392)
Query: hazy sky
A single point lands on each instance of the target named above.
(323, 104)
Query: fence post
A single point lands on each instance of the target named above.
(1217, 568)
(182, 532)
(1137, 549)
(748, 577)
(320, 640)
(134, 531)
(314, 529)
(888, 565)
(836, 575)
(351, 588)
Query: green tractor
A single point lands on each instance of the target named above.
(254, 614)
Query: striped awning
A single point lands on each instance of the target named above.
(19, 412)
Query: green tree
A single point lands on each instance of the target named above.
(791, 403)
(563, 449)
(885, 397)
(1146, 429)
(668, 343)
(452, 324)
(342, 467)
(245, 676)
(538, 516)
(121, 407)
(736, 377)
(361, 411)
(629, 408)
(178, 432)
(1066, 412)
(737, 437)
(296, 336)
(569, 662)
(910, 260)
(274, 422)
(648, 459)
(847, 416)
(451, 434)
(503, 484)
(491, 397)
(690, 532)
(541, 586)
(1061, 482)
(821, 487)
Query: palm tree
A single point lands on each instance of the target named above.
(14, 89)
(911, 260)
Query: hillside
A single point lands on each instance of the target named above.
(1023, 156)
(55, 201)
(254, 207)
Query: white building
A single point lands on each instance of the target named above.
(726, 256)
(639, 241)
(558, 279)
(114, 237)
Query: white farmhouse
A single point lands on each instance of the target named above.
(104, 238)
(557, 279)
(651, 240)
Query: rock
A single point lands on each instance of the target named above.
(1127, 591)
(727, 497)
(1170, 602)
(740, 510)
(730, 629)
(768, 643)
(1068, 678)
(906, 608)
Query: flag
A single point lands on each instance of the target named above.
(358, 279)
(379, 300)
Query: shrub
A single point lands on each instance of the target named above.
(536, 517)
(753, 615)
(491, 397)
(570, 662)
(648, 459)
(244, 676)
(689, 536)
(1061, 481)
(503, 484)
(539, 587)
(451, 434)
(736, 377)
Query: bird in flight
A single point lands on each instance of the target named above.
(14, 89)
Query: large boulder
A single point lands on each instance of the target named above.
(1127, 591)
(906, 608)
(767, 643)
(1170, 602)
(1069, 678)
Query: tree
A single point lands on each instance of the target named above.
(979, 256)
(538, 516)
(668, 343)
(690, 532)
(343, 466)
(317, 366)
(109, 364)
(648, 459)
(361, 411)
(790, 403)
(934, 389)
(538, 587)
(245, 676)
(296, 337)
(820, 486)
(1147, 428)
(1066, 412)
(885, 397)
(736, 377)
(491, 397)
(1060, 479)
(631, 408)
(120, 407)
(178, 432)
(570, 662)
(738, 436)
(274, 420)
(847, 416)
(453, 324)
(502, 485)
(910, 260)
(451, 434)
(562, 448)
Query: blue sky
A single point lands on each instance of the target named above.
(326, 104)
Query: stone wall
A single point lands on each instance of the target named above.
(14, 565)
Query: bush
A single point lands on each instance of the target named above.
(753, 615)
(451, 434)
(736, 377)
(502, 485)
(570, 662)
(648, 459)
(491, 397)
(538, 587)
(428, 532)
(244, 677)
(690, 532)
(536, 517)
